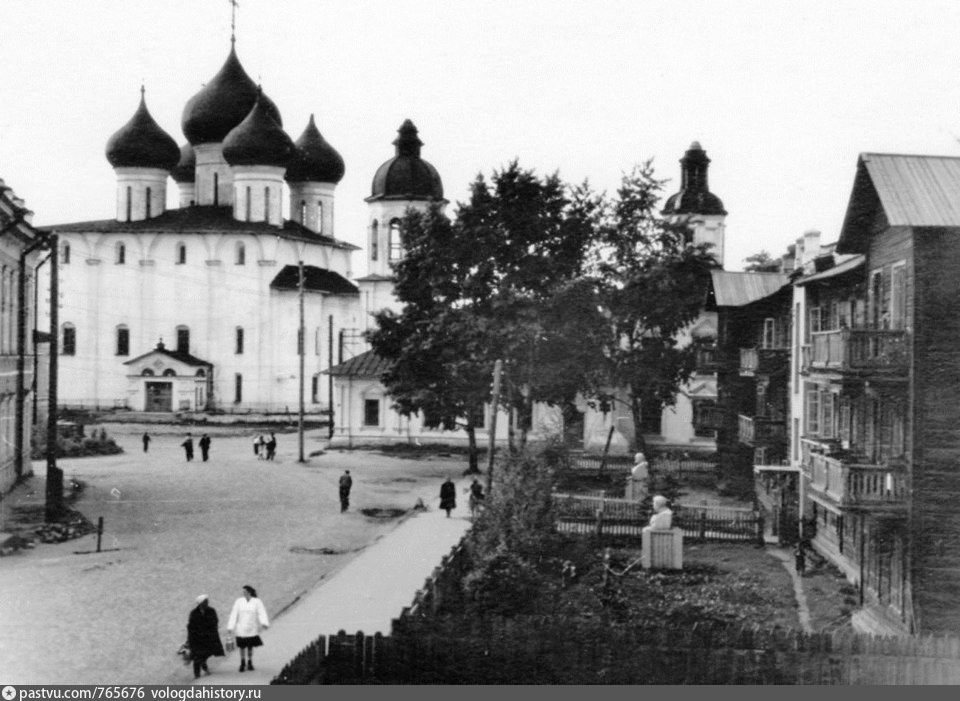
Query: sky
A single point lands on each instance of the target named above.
(783, 95)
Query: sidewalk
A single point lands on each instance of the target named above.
(366, 595)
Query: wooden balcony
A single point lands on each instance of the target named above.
(708, 361)
(759, 431)
(763, 361)
(848, 483)
(858, 351)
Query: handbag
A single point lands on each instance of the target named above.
(229, 642)
(184, 652)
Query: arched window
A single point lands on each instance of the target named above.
(68, 340)
(121, 257)
(303, 212)
(181, 253)
(183, 339)
(129, 203)
(247, 204)
(266, 204)
(319, 217)
(216, 189)
(241, 254)
(123, 340)
(396, 244)
(66, 254)
(149, 195)
(169, 372)
(239, 346)
(147, 372)
(200, 373)
(374, 239)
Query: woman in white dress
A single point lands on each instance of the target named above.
(246, 619)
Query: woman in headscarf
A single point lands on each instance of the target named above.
(246, 619)
(203, 636)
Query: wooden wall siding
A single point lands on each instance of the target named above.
(934, 515)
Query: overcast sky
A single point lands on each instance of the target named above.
(782, 95)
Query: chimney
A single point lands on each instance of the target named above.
(811, 247)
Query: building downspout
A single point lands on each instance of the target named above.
(22, 352)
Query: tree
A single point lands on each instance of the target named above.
(760, 262)
(504, 279)
(652, 281)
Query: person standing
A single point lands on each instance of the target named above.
(476, 496)
(448, 496)
(188, 447)
(272, 446)
(203, 637)
(204, 444)
(261, 449)
(247, 617)
(146, 441)
(346, 482)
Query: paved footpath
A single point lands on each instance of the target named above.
(365, 595)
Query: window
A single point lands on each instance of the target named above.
(237, 388)
(704, 423)
(121, 254)
(149, 193)
(827, 413)
(183, 339)
(147, 372)
(123, 340)
(769, 333)
(216, 189)
(315, 389)
(239, 348)
(169, 372)
(200, 373)
(303, 212)
(480, 419)
(241, 257)
(396, 245)
(877, 314)
(181, 253)
(816, 321)
(374, 239)
(319, 217)
(248, 204)
(66, 254)
(898, 296)
(371, 412)
(266, 204)
(812, 412)
(129, 203)
(68, 343)
(651, 412)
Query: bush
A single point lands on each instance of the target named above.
(503, 583)
(72, 446)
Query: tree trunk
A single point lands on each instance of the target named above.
(472, 453)
(639, 444)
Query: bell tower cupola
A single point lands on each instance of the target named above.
(696, 205)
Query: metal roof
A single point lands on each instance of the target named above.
(850, 263)
(314, 280)
(367, 364)
(735, 289)
(911, 190)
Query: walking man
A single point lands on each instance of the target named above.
(204, 444)
(346, 482)
(188, 447)
(146, 441)
(272, 446)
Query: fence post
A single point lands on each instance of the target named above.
(599, 522)
(703, 525)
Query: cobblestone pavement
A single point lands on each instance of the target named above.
(174, 530)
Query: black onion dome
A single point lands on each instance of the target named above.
(222, 104)
(258, 140)
(315, 160)
(406, 176)
(141, 143)
(186, 169)
(694, 196)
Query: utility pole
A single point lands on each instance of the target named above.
(494, 402)
(54, 492)
(329, 375)
(302, 333)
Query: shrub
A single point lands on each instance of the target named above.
(503, 583)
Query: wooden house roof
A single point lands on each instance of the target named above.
(736, 289)
(915, 191)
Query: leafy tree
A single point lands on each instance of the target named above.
(503, 279)
(652, 280)
(759, 262)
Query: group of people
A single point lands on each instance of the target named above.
(247, 618)
(265, 448)
(448, 496)
(187, 446)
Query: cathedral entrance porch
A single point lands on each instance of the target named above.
(159, 396)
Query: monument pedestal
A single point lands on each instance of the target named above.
(662, 550)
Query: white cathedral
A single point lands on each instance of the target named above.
(197, 309)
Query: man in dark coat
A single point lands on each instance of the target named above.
(204, 444)
(203, 635)
(272, 446)
(146, 442)
(448, 496)
(346, 482)
(188, 447)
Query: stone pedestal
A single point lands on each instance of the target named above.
(662, 550)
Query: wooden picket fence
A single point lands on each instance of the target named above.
(603, 516)
(688, 470)
(560, 650)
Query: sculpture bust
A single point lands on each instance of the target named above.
(640, 469)
(662, 519)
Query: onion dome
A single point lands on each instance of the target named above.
(141, 143)
(258, 140)
(185, 170)
(406, 176)
(694, 196)
(222, 104)
(315, 160)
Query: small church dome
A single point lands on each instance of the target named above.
(406, 176)
(141, 143)
(315, 160)
(694, 196)
(185, 170)
(222, 104)
(258, 140)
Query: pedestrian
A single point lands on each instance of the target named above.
(188, 447)
(448, 496)
(476, 496)
(247, 617)
(203, 636)
(146, 441)
(256, 446)
(800, 558)
(262, 447)
(346, 482)
(204, 444)
(272, 446)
